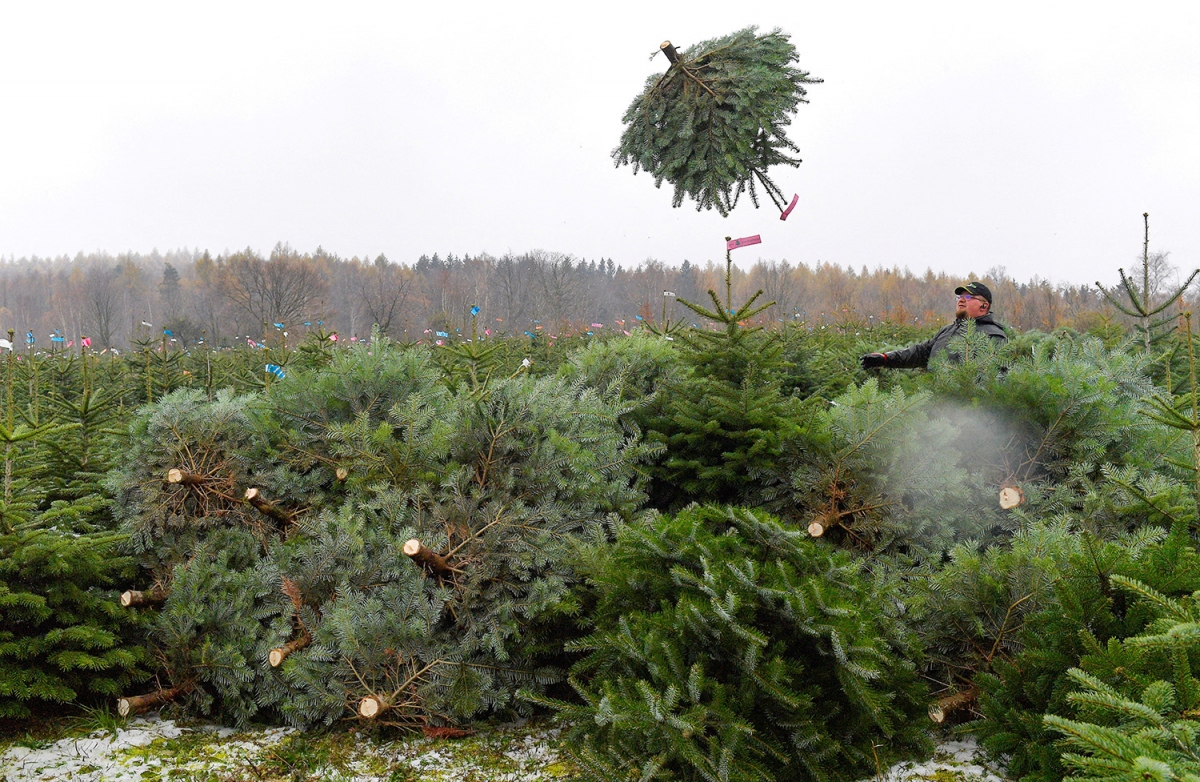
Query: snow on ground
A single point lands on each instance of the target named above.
(960, 759)
(156, 749)
(133, 754)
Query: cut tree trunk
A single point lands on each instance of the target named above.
(372, 706)
(278, 655)
(669, 50)
(1011, 497)
(431, 561)
(822, 523)
(342, 473)
(176, 475)
(136, 704)
(944, 707)
(135, 599)
(255, 498)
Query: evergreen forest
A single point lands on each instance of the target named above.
(717, 551)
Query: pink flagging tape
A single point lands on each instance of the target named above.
(791, 206)
(745, 241)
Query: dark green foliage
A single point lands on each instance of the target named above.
(472, 363)
(725, 646)
(1061, 628)
(1137, 711)
(81, 449)
(715, 121)
(725, 421)
(63, 637)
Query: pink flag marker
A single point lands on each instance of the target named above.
(791, 206)
(745, 241)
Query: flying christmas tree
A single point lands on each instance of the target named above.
(716, 120)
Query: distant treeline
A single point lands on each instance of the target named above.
(118, 300)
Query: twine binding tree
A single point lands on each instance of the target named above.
(715, 121)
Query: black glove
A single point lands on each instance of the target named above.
(872, 360)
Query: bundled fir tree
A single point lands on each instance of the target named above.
(1050, 423)
(384, 490)
(215, 629)
(459, 594)
(716, 120)
(725, 646)
(633, 370)
(188, 466)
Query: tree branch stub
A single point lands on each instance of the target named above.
(132, 598)
(255, 498)
(944, 707)
(136, 704)
(429, 560)
(372, 706)
(175, 476)
(281, 653)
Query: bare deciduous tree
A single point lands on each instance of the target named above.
(279, 289)
(384, 290)
(103, 299)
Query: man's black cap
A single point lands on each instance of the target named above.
(975, 289)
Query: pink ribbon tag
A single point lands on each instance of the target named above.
(791, 206)
(745, 241)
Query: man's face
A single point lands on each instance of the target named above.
(970, 306)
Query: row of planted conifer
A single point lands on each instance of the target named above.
(721, 554)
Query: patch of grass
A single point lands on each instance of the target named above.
(294, 758)
(100, 719)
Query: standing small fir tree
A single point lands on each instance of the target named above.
(715, 121)
(1139, 304)
(726, 420)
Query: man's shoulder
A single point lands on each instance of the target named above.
(989, 326)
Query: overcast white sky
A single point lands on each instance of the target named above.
(1027, 135)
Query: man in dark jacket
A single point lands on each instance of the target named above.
(974, 303)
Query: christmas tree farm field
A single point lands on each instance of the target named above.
(676, 548)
